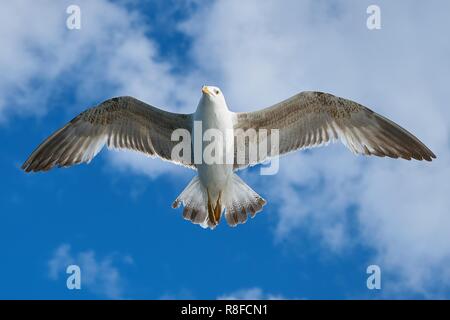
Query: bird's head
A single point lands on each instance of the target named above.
(213, 94)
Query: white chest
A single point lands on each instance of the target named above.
(214, 124)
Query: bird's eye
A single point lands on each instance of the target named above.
(216, 91)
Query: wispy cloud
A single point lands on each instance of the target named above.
(98, 275)
(110, 55)
(265, 52)
(260, 53)
(250, 294)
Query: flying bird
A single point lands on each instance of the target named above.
(306, 120)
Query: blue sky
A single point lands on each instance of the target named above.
(329, 214)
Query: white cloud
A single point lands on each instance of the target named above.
(250, 294)
(138, 163)
(109, 55)
(98, 275)
(260, 53)
(264, 52)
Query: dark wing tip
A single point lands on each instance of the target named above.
(418, 151)
(31, 165)
(424, 153)
(427, 157)
(24, 166)
(28, 165)
(404, 144)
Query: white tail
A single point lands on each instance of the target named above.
(237, 199)
(193, 199)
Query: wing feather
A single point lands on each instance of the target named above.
(312, 119)
(121, 123)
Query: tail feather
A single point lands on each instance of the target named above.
(241, 201)
(237, 199)
(193, 200)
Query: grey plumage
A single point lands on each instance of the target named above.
(121, 123)
(311, 119)
(308, 119)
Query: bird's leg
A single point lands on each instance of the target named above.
(218, 208)
(210, 209)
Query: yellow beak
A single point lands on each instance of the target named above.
(205, 90)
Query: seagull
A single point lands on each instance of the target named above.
(308, 119)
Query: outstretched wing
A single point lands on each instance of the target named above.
(312, 119)
(123, 123)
